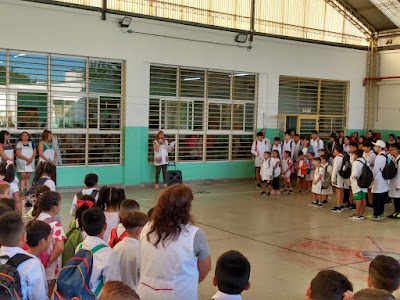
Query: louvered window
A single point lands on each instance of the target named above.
(78, 98)
(210, 114)
(324, 102)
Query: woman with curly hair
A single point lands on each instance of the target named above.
(174, 254)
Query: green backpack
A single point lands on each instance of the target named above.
(74, 238)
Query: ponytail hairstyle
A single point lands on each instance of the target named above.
(45, 167)
(46, 202)
(81, 209)
(7, 170)
(110, 197)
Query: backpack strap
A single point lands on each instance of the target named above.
(100, 286)
(94, 193)
(18, 259)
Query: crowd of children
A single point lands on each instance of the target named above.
(363, 171)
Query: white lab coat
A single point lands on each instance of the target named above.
(395, 182)
(380, 184)
(341, 183)
(317, 187)
(266, 170)
(288, 146)
(317, 145)
(257, 149)
(356, 170)
(370, 158)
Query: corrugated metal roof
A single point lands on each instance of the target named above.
(372, 14)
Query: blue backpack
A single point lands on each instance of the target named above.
(73, 281)
(309, 166)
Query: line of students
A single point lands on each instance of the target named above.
(319, 168)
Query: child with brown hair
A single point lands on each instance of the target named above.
(128, 250)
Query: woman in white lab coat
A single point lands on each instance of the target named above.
(47, 153)
(174, 255)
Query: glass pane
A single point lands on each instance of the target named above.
(219, 85)
(219, 116)
(307, 125)
(198, 115)
(68, 74)
(93, 112)
(217, 147)
(192, 83)
(104, 149)
(3, 63)
(185, 115)
(72, 148)
(330, 125)
(298, 95)
(250, 118)
(105, 77)
(169, 137)
(69, 112)
(190, 147)
(169, 114)
(28, 69)
(163, 81)
(4, 114)
(333, 98)
(240, 147)
(110, 113)
(238, 116)
(31, 110)
(154, 114)
(244, 86)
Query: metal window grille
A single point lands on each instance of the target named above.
(209, 113)
(80, 99)
(320, 104)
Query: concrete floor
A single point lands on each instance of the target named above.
(286, 241)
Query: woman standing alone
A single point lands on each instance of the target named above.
(161, 150)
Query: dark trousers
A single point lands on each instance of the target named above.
(346, 197)
(396, 205)
(275, 183)
(164, 173)
(379, 203)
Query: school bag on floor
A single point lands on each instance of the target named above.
(389, 170)
(9, 275)
(345, 169)
(73, 280)
(74, 238)
(366, 177)
(326, 183)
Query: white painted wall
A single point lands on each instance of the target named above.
(387, 117)
(36, 27)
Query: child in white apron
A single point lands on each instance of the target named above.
(47, 152)
(6, 150)
(26, 153)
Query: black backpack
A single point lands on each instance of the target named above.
(10, 280)
(389, 170)
(366, 177)
(93, 194)
(345, 169)
(38, 182)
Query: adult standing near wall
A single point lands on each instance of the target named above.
(47, 153)
(161, 150)
(6, 150)
(26, 153)
(174, 254)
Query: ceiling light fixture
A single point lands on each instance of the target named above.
(241, 38)
(126, 21)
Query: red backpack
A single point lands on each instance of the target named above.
(115, 239)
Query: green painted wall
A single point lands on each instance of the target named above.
(136, 169)
(385, 133)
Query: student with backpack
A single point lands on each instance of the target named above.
(302, 166)
(316, 142)
(380, 185)
(76, 234)
(49, 205)
(359, 168)
(338, 181)
(276, 165)
(45, 174)
(287, 169)
(327, 182)
(288, 144)
(257, 149)
(90, 182)
(394, 184)
(8, 173)
(310, 170)
(119, 233)
(20, 272)
(101, 261)
(109, 201)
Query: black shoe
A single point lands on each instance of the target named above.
(388, 201)
(263, 194)
(348, 206)
(325, 202)
(337, 209)
(370, 205)
(259, 186)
